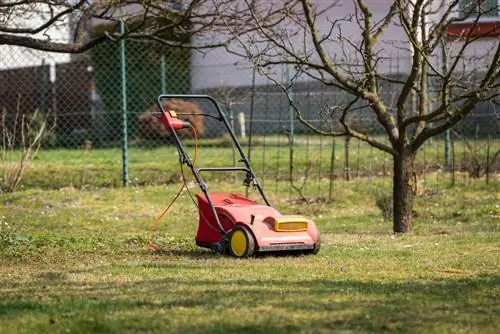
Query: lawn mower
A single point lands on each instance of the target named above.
(233, 223)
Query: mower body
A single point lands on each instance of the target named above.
(270, 230)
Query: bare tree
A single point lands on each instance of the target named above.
(35, 24)
(43, 24)
(345, 46)
(20, 139)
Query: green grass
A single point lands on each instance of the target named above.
(76, 260)
(58, 168)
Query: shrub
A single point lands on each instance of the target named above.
(21, 140)
(384, 203)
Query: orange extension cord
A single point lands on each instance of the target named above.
(156, 221)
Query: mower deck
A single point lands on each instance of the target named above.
(252, 228)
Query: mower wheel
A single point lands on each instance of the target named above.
(241, 242)
(317, 246)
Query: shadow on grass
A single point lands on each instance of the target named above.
(53, 301)
(205, 253)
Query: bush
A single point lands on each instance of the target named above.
(22, 137)
(384, 203)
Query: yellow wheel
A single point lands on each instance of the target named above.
(317, 245)
(241, 242)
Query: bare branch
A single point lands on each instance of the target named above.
(308, 13)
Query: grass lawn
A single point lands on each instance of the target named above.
(76, 261)
(315, 156)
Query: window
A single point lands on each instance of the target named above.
(473, 8)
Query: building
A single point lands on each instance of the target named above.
(219, 68)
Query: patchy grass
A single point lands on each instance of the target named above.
(101, 167)
(77, 261)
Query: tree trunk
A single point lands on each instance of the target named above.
(402, 192)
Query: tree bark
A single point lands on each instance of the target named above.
(402, 187)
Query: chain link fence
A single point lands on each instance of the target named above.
(87, 96)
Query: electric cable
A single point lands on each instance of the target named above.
(196, 204)
(184, 179)
(156, 221)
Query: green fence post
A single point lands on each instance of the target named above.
(447, 149)
(123, 73)
(447, 132)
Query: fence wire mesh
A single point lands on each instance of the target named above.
(83, 94)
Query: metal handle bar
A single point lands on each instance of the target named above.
(223, 169)
(186, 159)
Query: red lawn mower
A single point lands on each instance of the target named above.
(232, 222)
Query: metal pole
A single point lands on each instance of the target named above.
(290, 108)
(347, 164)
(42, 89)
(488, 160)
(53, 88)
(231, 114)
(447, 132)
(163, 75)
(447, 148)
(332, 170)
(123, 72)
(250, 129)
(231, 120)
(291, 140)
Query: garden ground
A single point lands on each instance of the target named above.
(77, 260)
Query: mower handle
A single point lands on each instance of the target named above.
(223, 169)
(170, 121)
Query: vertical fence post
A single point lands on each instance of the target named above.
(289, 92)
(163, 75)
(250, 128)
(447, 132)
(290, 108)
(42, 89)
(123, 73)
(264, 147)
(447, 149)
(453, 164)
(347, 164)
(488, 160)
(309, 164)
(332, 171)
(231, 123)
(53, 89)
